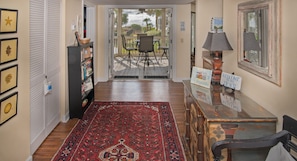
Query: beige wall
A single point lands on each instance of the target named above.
(15, 134)
(183, 42)
(72, 10)
(205, 10)
(181, 45)
(101, 59)
(277, 99)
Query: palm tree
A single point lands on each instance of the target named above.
(147, 22)
(157, 13)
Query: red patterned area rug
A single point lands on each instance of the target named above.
(124, 131)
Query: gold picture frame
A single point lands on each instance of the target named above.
(8, 78)
(8, 50)
(8, 20)
(8, 107)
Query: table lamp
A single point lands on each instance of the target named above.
(249, 43)
(217, 42)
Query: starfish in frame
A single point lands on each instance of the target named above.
(8, 21)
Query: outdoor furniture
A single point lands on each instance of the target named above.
(146, 45)
(138, 38)
(286, 137)
(129, 49)
(165, 50)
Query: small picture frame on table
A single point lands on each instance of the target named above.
(8, 107)
(201, 77)
(8, 50)
(8, 20)
(8, 78)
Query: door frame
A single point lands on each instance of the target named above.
(172, 58)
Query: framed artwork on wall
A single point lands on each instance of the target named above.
(8, 107)
(217, 24)
(8, 50)
(8, 78)
(8, 20)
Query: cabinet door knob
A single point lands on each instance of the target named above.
(199, 133)
(199, 116)
(199, 152)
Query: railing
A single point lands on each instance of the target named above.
(131, 42)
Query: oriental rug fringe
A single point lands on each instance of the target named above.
(124, 131)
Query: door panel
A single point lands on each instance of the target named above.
(44, 55)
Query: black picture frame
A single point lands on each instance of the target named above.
(8, 50)
(8, 78)
(8, 107)
(8, 21)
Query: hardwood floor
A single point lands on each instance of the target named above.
(121, 90)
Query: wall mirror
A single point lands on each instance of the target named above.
(259, 39)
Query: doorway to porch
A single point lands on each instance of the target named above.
(127, 60)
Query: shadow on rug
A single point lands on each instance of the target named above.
(124, 131)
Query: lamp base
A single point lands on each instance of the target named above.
(217, 71)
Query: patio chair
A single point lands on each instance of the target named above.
(138, 38)
(129, 49)
(287, 138)
(146, 45)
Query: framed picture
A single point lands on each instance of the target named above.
(9, 78)
(201, 76)
(8, 107)
(217, 24)
(8, 20)
(9, 50)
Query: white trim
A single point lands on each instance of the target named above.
(65, 118)
(89, 3)
(30, 158)
(172, 48)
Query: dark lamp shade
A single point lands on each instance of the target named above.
(250, 42)
(217, 42)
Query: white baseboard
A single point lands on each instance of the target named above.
(66, 118)
(30, 158)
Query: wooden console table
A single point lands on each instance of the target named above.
(212, 115)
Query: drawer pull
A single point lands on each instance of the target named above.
(199, 116)
(199, 133)
(199, 152)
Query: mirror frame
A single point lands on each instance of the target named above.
(273, 72)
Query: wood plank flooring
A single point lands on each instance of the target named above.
(121, 90)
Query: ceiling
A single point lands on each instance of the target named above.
(140, 2)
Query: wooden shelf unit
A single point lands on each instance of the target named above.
(80, 79)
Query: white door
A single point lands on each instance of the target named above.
(44, 55)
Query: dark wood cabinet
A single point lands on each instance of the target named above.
(80, 79)
(212, 115)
